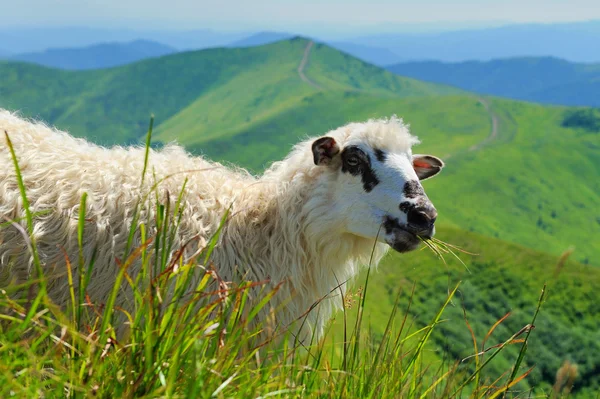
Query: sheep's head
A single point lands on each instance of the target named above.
(376, 190)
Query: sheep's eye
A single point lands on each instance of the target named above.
(353, 161)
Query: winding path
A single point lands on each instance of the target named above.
(303, 63)
(493, 133)
(475, 147)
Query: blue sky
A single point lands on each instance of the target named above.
(298, 15)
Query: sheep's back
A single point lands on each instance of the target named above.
(58, 168)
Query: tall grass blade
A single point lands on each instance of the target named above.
(41, 295)
(524, 346)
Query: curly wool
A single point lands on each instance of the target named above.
(279, 226)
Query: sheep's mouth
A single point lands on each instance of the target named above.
(402, 238)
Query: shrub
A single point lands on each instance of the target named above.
(588, 119)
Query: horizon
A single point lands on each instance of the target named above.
(304, 17)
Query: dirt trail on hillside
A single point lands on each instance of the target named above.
(493, 133)
(303, 63)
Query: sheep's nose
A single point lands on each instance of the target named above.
(421, 220)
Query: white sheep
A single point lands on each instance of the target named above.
(309, 221)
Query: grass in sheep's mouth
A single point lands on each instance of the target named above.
(439, 248)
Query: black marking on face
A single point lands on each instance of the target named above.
(406, 206)
(390, 223)
(381, 156)
(413, 189)
(356, 162)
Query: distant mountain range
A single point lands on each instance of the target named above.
(571, 41)
(379, 56)
(28, 40)
(540, 79)
(98, 56)
(574, 42)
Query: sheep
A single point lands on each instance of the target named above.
(306, 224)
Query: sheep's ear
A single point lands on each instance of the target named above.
(427, 166)
(324, 149)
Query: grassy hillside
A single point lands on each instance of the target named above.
(502, 278)
(540, 79)
(445, 123)
(210, 91)
(113, 106)
(257, 94)
(536, 184)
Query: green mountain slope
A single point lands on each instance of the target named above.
(217, 88)
(276, 86)
(540, 79)
(445, 123)
(502, 278)
(536, 184)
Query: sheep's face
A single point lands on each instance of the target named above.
(377, 193)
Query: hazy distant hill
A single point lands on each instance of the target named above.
(573, 41)
(98, 56)
(261, 38)
(27, 40)
(375, 55)
(540, 79)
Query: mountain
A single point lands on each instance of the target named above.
(98, 56)
(28, 40)
(261, 38)
(273, 86)
(540, 79)
(374, 55)
(571, 41)
(520, 184)
(113, 105)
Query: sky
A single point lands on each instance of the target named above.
(298, 15)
